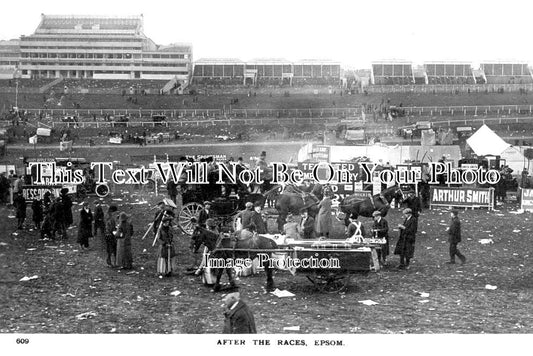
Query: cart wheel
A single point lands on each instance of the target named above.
(187, 213)
(330, 282)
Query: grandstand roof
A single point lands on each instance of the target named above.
(392, 61)
(498, 61)
(82, 23)
(449, 62)
(219, 61)
(268, 61)
(316, 61)
(176, 47)
(10, 43)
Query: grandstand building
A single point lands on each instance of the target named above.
(449, 73)
(270, 71)
(392, 73)
(9, 58)
(506, 72)
(96, 47)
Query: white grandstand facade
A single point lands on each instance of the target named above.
(9, 58)
(100, 47)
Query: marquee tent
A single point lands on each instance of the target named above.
(486, 142)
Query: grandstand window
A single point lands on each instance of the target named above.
(278, 70)
(306, 70)
(238, 70)
(440, 69)
(218, 70)
(498, 69)
(326, 71)
(268, 70)
(507, 69)
(316, 71)
(298, 70)
(228, 71)
(208, 71)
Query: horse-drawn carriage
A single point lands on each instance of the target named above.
(328, 264)
(341, 259)
(226, 202)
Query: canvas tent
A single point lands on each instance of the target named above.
(393, 154)
(486, 142)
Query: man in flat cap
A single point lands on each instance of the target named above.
(205, 214)
(380, 230)
(405, 247)
(454, 237)
(238, 319)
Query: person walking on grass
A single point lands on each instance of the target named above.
(454, 237)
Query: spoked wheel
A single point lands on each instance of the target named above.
(189, 212)
(330, 282)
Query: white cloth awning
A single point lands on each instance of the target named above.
(486, 142)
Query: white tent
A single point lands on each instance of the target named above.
(486, 142)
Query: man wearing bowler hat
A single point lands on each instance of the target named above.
(405, 247)
(238, 319)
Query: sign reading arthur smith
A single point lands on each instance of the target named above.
(462, 197)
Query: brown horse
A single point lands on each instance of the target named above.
(353, 206)
(292, 201)
(223, 249)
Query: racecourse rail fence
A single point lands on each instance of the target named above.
(311, 113)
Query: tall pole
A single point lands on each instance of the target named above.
(16, 93)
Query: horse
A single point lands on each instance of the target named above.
(352, 206)
(214, 241)
(294, 200)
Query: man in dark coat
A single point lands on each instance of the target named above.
(205, 214)
(57, 214)
(110, 239)
(413, 203)
(85, 229)
(380, 230)
(454, 237)
(405, 247)
(67, 208)
(257, 219)
(99, 223)
(172, 189)
(306, 227)
(20, 204)
(238, 319)
(37, 213)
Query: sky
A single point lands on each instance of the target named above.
(352, 32)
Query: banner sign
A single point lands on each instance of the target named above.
(462, 197)
(32, 192)
(526, 200)
(341, 190)
(320, 153)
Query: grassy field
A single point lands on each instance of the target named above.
(71, 282)
(275, 100)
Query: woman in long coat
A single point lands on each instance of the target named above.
(85, 228)
(167, 256)
(323, 219)
(124, 233)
